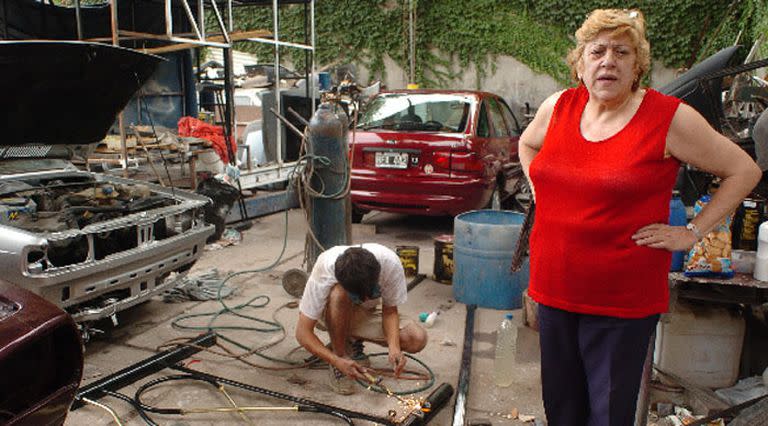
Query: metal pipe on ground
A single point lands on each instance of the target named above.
(431, 406)
(460, 406)
(142, 369)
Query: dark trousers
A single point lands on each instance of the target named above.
(591, 366)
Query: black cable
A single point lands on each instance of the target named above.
(133, 403)
(328, 409)
(177, 377)
(302, 405)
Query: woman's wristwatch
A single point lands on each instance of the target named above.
(695, 229)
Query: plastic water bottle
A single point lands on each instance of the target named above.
(761, 259)
(677, 217)
(506, 340)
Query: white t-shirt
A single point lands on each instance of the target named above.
(394, 291)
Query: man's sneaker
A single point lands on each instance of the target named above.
(340, 382)
(355, 348)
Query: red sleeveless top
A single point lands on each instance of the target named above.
(590, 198)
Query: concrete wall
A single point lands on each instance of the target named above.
(512, 80)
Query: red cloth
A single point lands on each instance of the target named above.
(590, 198)
(190, 126)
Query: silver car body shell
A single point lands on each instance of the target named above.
(140, 272)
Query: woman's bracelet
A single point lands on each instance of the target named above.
(695, 229)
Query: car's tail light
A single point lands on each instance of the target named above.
(369, 158)
(443, 160)
(465, 162)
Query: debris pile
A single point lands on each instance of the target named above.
(207, 286)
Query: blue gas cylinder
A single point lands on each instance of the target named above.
(677, 217)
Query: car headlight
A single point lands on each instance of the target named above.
(37, 260)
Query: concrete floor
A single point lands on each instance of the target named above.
(144, 328)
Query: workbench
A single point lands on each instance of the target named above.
(741, 289)
(745, 293)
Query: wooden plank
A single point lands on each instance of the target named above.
(754, 415)
(234, 36)
(707, 399)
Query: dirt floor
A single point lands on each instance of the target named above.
(143, 329)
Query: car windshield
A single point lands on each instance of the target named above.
(421, 112)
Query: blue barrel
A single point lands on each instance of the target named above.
(484, 242)
(677, 217)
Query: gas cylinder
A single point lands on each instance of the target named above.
(330, 209)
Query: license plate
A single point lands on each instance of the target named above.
(392, 160)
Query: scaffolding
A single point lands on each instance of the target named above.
(223, 38)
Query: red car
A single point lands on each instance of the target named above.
(435, 152)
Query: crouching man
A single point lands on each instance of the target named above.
(342, 296)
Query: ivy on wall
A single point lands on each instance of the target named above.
(535, 32)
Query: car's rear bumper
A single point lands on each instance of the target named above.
(420, 196)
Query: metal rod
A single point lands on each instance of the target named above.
(113, 22)
(278, 133)
(235, 409)
(214, 41)
(415, 281)
(121, 116)
(142, 369)
(644, 393)
(78, 20)
(229, 107)
(434, 403)
(314, 64)
(287, 123)
(522, 240)
(224, 31)
(308, 74)
(201, 18)
(411, 41)
(230, 16)
(5, 19)
(281, 43)
(168, 18)
(173, 38)
(328, 409)
(298, 116)
(191, 18)
(460, 406)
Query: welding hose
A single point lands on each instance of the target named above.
(298, 407)
(380, 389)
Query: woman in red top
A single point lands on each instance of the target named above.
(602, 160)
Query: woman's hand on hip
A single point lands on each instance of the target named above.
(663, 236)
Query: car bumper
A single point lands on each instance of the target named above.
(420, 196)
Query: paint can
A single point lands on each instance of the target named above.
(443, 268)
(409, 257)
(749, 216)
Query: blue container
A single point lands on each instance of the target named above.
(677, 217)
(484, 242)
(324, 81)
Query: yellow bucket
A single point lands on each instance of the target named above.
(409, 257)
(443, 267)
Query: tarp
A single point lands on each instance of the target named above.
(190, 126)
(29, 19)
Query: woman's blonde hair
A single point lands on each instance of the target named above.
(618, 21)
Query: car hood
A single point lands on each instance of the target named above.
(66, 92)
